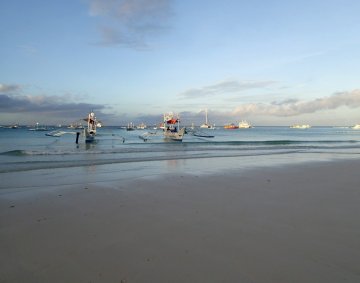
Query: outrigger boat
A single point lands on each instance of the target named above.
(202, 135)
(90, 130)
(172, 129)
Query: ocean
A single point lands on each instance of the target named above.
(24, 150)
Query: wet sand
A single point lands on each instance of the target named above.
(286, 224)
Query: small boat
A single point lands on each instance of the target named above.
(142, 126)
(90, 130)
(145, 136)
(297, 126)
(356, 127)
(244, 125)
(55, 133)
(172, 129)
(202, 135)
(76, 125)
(231, 126)
(59, 133)
(130, 127)
(16, 126)
(39, 128)
(197, 133)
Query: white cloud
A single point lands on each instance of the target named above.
(53, 105)
(294, 107)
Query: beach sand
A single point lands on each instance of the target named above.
(286, 224)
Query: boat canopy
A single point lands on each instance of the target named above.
(172, 121)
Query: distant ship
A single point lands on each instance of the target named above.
(244, 125)
(300, 126)
(231, 126)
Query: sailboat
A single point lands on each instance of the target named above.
(206, 125)
(130, 127)
(90, 130)
(172, 129)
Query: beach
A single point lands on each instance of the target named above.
(285, 223)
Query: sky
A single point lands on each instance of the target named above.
(271, 62)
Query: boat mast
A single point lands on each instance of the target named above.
(206, 116)
(88, 121)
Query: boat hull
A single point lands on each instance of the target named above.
(244, 125)
(231, 127)
(174, 136)
(89, 136)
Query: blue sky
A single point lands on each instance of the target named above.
(270, 62)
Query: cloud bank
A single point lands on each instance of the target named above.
(293, 107)
(130, 23)
(224, 88)
(53, 106)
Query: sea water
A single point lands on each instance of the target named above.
(24, 150)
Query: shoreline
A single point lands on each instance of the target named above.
(104, 171)
(286, 223)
